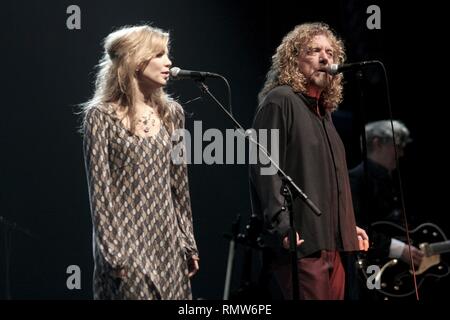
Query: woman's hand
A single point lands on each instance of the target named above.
(193, 265)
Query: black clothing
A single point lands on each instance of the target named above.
(381, 204)
(379, 201)
(312, 154)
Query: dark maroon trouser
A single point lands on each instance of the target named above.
(321, 277)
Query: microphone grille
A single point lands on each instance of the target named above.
(334, 68)
(174, 71)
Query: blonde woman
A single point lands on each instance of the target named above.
(144, 247)
(297, 99)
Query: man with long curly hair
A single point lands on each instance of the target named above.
(297, 99)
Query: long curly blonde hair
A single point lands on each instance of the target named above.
(126, 50)
(285, 71)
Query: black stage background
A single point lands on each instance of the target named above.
(48, 69)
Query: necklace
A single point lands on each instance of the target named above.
(148, 121)
(145, 124)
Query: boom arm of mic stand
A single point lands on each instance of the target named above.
(291, 183)
(287, 195)
(14, 226)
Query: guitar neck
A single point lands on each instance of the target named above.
(440, 247)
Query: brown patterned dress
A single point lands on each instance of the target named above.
(140, 210)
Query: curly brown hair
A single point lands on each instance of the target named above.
(285, 71)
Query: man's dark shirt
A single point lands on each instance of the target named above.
(312, 154)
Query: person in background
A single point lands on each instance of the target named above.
(382, 201)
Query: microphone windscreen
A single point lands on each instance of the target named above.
(174, 71)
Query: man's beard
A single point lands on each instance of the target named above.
(320, 80)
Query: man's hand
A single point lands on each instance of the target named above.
(286, 241)
(363, 239)
(193, 265)
(417, 256)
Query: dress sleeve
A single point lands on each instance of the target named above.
(180, 191)
(107, 230)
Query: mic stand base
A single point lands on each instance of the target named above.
(288, 200)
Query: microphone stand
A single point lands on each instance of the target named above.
(8, 227)
(288, 190)
(234, 235)
(362, 132)
(365, 199)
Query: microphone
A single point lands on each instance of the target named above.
(338, 68)
(177, 73)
